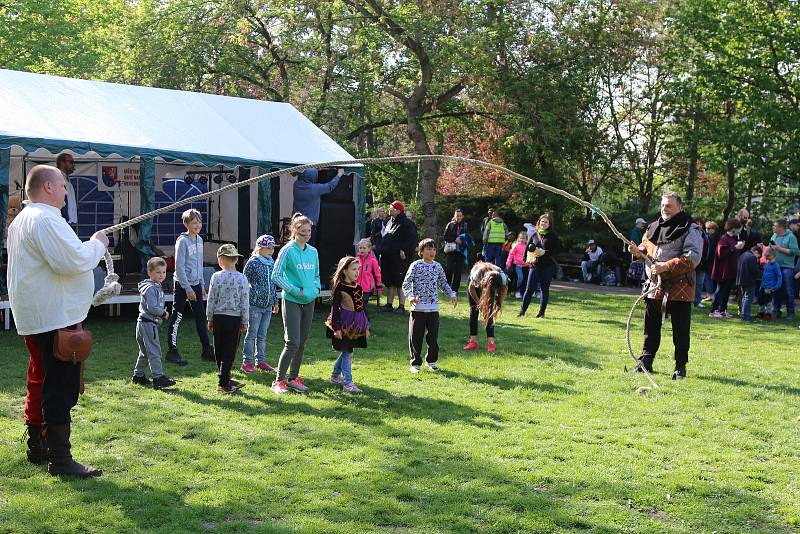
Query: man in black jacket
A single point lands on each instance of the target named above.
(397, 247)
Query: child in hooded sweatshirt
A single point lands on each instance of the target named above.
(369, 276)
(152, 311)
(771, 282)
(515, 264)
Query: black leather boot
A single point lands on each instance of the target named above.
(645, 364)
(60, 456)
(37, 446)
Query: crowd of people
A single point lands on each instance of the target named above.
(51, 287)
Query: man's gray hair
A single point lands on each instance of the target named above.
(672, 194)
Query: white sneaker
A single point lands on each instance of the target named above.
(699, 305)
(414, 369)
(518, 295)
(432, 366)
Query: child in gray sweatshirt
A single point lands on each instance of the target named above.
(189, 287)
(151, 311)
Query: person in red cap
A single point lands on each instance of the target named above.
(396, 249)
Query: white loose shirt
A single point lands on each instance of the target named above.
(72, 202)
(50, 280)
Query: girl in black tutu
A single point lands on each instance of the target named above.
(347, 324)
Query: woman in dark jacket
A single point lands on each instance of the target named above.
(724, 270)
(543, 245)
(454, 263)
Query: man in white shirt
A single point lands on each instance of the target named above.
(592, 262)
(51, 286)
(66, 164)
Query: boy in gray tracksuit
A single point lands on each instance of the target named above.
(151, 312)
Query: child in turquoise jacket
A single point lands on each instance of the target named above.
(297, 273)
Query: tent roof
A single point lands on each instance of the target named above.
(84, 115)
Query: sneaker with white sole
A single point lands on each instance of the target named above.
(248, 367)
(279, 387)
(414, 369)
(518, 295)
(338, 380)
(432, 366)
(351, 388)
(296, 384)
(264, 366)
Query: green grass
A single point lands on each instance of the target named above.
(547, 435)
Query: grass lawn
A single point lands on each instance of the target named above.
(547, 435)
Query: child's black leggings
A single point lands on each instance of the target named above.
(226, 339)
(473, 317)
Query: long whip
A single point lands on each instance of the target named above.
(112, 286)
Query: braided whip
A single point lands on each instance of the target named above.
(110, 289)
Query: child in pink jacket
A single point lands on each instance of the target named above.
(369, 275)
(516, 262)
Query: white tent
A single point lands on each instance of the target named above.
(151, 133)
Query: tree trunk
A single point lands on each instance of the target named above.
(730, 169)
(430, 174)
(693, 156)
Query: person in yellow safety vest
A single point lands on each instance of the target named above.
(494, 235)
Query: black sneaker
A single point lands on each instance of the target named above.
(401, 310)
(236, 385)
(679, 373)
(140, 380)
(174, 357)
(163, 382)
(208, 354)
(227, 389)
(386, 308)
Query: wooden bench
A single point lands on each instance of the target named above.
(569, 263)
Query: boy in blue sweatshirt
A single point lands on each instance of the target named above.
(296, 271)
(771, 282)
(189, 287)
(421, 286)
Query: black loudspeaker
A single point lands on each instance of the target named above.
(335, 234)
(343, 192)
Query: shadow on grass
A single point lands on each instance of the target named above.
(789, 390)
(508, 383)
(371, 408)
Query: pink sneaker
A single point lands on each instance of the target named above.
(351, 388)
(715, 315)
(279, 387)
(296, 385)
(472, 345)
(491, 347)
(726, 315)
(264, 366)
(337, 380)
(248, 367)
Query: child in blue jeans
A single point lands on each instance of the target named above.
(263, 303)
